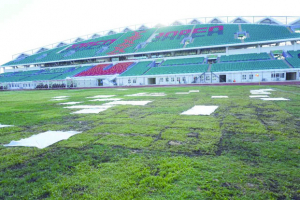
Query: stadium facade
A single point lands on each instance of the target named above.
(213, 51)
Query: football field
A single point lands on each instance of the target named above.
(137, 143)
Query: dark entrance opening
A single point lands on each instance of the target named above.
(290, 76)
(151, 81)
(222, 78)
(100, 82)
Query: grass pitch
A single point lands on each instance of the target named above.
(247, 149)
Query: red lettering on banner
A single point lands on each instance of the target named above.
(91, 44)
(128, 42)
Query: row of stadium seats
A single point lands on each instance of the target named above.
(138, 69)
(163, 43)
(253, 65)
(266, 32)
(295, 62)
(184, 61)
(117, 69)
(227, 36)
(97, 70)
(177, 69)
(128, 42)
(295, 54)
(216, 36)
(101, 69)
(39, 75)
(245, 57)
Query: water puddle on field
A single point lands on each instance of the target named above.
(70, 103)
(146, 95)
(219, 97)
(60, 97)
(259, 96)
(88, 107)
(101, 96)
(134, 103)
(3, 126)
(105, 100)
(275, 99)
(259, 92)
(89, 111)
(182, 93)
(43, 140)
(200, 110)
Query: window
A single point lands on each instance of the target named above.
(214, 77)
(183, 78)
(277, 75)
(272, 75)
(167, 79)
(161, 80)
(178, 79)
(202, 77)
(129, 81)
(251, 76)
(172, 79)
(282, 75)
(134, 80)
(244, 77)
(207, 78)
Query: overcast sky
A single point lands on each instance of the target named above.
(29, 24)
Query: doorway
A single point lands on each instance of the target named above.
(222, 78)
(290, 76)
(100, 82)
(151, 81)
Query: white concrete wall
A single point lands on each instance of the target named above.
(258, 76)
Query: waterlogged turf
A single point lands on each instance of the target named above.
(247, 149)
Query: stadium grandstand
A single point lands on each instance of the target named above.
(218, 50)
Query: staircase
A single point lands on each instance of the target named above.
(286, 62)
(149, 39)
(240, 29)
(290, 29)
(209, 68)
(190, 35)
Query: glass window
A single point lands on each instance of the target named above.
(251, 76)
(277, 75)
(167, 79)
(134, 80)
(183, 79)
(172, 79)
(207, 78)
(244, 77)
(282, 75)
(129, 81)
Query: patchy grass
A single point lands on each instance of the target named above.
(247, 149)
